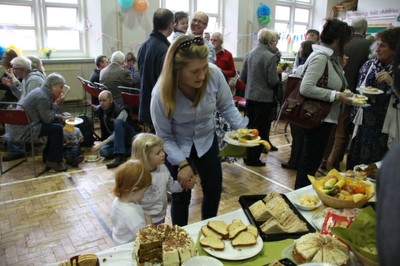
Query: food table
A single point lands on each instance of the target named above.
(122, 255)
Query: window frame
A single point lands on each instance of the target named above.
(293, 4)
(193, 9)
(40, 27)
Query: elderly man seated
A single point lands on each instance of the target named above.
(114, 75)
(116, 130)
(31, 79)
(43, 104)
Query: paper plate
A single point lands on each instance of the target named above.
(92, 158)
(365, 90)
(77, 121)
(202, 261)
(239, 253)
(237, 143)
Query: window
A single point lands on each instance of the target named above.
(293, 21)
(53, 24)
(210, 7)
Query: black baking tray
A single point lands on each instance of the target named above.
(247, 200)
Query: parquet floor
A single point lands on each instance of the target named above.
(58, 215)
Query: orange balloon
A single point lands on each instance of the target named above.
(141, 5)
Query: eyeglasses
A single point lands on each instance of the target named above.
(186, 44)
(198, 21)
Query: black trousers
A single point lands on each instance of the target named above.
(259, 118)
(314, 144)
(209, 169)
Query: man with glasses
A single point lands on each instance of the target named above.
(197, 26)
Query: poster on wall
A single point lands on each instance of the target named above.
(378, 19)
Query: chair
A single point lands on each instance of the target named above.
(240, 101)
(132, 100)
(17, 116)
(129, 89)
(93, 92)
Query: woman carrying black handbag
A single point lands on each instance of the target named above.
(335, 35)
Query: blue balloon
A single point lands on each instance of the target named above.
(125, 3)
(2, 50)
(263, 10)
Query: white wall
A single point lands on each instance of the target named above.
(367, 5)
(126, 29)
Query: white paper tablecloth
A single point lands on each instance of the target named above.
(121, 255)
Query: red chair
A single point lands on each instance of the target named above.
(17, 116)
(91, 90)
(132, 100)
(240, 101)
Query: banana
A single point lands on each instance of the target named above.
(266, 144)
(330, 182)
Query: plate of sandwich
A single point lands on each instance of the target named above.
(234, 241)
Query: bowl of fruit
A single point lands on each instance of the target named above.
(338, 191)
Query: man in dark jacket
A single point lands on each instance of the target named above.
(116, 130)
(151, 59)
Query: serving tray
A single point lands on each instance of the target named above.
(247, 200)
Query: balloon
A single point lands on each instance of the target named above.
(125, 3)
(141, 5)
(2, 50)
(264, 20)
(263, 10)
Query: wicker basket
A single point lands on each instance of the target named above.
(340, 203)
(365, 261)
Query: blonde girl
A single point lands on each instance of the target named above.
(132, 180)
(149, 149)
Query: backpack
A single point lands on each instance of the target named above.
(86, 127)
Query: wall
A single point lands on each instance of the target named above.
(115, 29)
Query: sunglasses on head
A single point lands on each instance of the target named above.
(197, 40)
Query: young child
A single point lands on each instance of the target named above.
(132, 180)
(148, 148)
(181, 24)
(72, 139)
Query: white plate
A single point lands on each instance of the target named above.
(202, 261)
(237, 143)
(307, 208)
(359, 97)
(360, 104)
(92, 158)
(77, 121)
(239, 253)
(364, 91)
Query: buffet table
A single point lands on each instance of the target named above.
(121, 255)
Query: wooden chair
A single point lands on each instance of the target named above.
(18, 116)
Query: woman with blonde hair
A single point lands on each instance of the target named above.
(183, 102)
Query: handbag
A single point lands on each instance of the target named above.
(304, 111)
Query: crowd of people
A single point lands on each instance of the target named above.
(186, 81)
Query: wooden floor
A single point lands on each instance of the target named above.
(58, 215)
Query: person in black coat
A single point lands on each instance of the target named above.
(151, 56)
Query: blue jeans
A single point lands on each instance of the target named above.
(14, 147)
(123, 135)
(210, 171)
(72, 151)
(55, 141)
